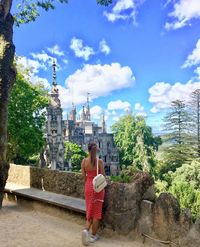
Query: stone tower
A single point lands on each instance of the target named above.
(55, 135)
(72, 115)
(88, 116)
(103, 123)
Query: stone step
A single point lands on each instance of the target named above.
(62, 201)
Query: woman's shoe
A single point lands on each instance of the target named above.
(85, 237)
(94, 238)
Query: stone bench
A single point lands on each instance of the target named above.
(62, 201)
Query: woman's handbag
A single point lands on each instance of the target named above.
(99, 181)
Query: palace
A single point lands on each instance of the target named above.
(80, 130)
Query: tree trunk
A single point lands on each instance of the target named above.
(7, 78)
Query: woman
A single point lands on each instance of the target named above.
(94, 200)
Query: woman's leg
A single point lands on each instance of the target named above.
(95, 225)
(88, 224)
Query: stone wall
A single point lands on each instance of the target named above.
(61, 182)
(127, 207)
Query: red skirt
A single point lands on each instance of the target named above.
(94, 201)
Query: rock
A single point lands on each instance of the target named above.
(185, 222)
(143, 181)
(150, 194)
(166, 214)
(122, 203)
(197, 224)
(145, 223)
(192, 239)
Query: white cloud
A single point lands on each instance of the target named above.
(114, 113)
(103, 47)
(96, 112)
(194, 57)
(43, 57)
(32, 65)
(162, 94)
(183, 12)
(45, 60)
(98, 80)
(35, 79)
(65, 97)
(124, 10)
(197, 71)
(154, 110)
(55, 50)
(80, 50)
(115, 118)
(143, 114)
(139, 107)
(30, 68)
(119, 105)
(140, 110)
(65, 61)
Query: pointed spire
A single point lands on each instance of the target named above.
(88, 108)
(54, 90)
(83, 115)
(54, 73)
(103, 123)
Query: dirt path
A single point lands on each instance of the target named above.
(23, 227)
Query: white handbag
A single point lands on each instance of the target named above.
(99, 181)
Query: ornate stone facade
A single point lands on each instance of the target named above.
(54, 128)
(80, 131)
(83, 130)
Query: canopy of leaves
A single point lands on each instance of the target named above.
(189, 173)
(29, 10)
(187, 196)
(135, 142)
(26, 119)
(184, 185)
(177, 149)
(74, 153)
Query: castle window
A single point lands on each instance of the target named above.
(99, 144)
(54, 118)
(105, 158)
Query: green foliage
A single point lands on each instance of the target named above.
(184, 184)
(177, 149)
(160, 186)
(187, 196)
(29, 10)
(176, 122)
(104, 2)
(135, 142)
(189, 173)
(74, 153)
(126, 175)
(173, 157)
(122, 178)
(26, 118)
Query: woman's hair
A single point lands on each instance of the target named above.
(92, 154)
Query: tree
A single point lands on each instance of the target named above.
(135, 142)
(75, 153)
(185, 186)
(176, 121)
(28, 12)
(195, 112)
(26, 119)
(178, 150)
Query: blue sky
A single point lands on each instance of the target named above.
(135, 55)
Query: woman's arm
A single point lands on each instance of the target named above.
(83, 170)
(102, 168)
